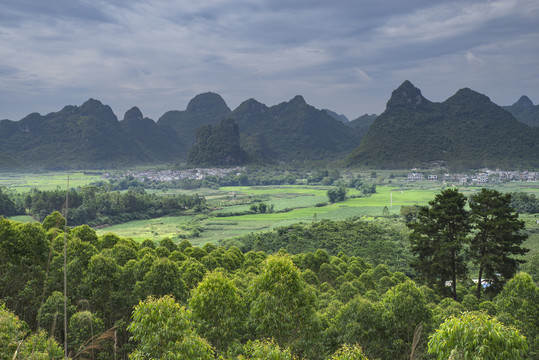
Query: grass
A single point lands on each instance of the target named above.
(47, 181)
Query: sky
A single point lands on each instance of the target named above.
(343, 55)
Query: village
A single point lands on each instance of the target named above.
(191, 174)
(483, 177)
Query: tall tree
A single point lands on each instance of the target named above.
(283, 305)
(476, 336)
(438, 237)
(163, 330)
(497, 237)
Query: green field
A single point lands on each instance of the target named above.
(299, 200)
(47, 181)
(291, 203)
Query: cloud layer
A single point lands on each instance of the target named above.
(343, 55)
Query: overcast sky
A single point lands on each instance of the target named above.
(344, 55)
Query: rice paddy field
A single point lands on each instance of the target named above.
(47, 181)
(291, 204)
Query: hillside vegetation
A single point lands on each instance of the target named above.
(465, 131)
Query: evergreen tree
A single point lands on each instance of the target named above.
(498, 236)
(438, 237)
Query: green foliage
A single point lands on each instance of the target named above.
(96, 206)
(204, 109)
(217, 309)
(476, 335)
(86, 136)
(438, 238)
(518, 305)
(524, 203)
(16, 343)
(283, 305)
(524, 110)
(336, 194)
(465, 131)
(217, 145)
(292, 131)
(498, 236)
(346, 352)
(83, 326)
(162, 330)
(266, 350)
(375, 243)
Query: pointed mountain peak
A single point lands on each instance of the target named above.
(406, 95)
(133, 114)
(524, 101)
(298, 99)
(205, 101)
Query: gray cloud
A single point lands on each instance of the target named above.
(342, 55)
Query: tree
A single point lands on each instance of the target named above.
(405, 309)
(282, 304)
(349, 353)
(263, 350)
(163, 331)
(14, 344)
(518, 305)
(164, 278)
(438, 237)
(83, 327)
(336, 194)
(497, 237)
(476, 336)
(217, 309)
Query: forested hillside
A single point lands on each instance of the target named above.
(327, 293)
(204, 109)
(292, 131)
(525, 111)
(217, 145)
(465, 131)
(86, 136)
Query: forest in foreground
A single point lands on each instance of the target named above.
(166, 300)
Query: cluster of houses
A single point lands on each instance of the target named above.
(483, 177)
(192, 174)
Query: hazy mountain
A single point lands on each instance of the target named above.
(158, 143)
(217, 145)
(362, 122)
(291, 131)
(467, 130)
(77, 136)
(336, 116)
(204, 109)
(525, 111)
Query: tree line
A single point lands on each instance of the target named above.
(98, 205)
(166, 300)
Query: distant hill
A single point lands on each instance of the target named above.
(204, 109)
(292, 131)
(465, 131)
(77, 136)
(525, 111)
(88, 136)
(217, 145)
(362, 122)
(7, 164)
(336, 116)
(158, 143)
